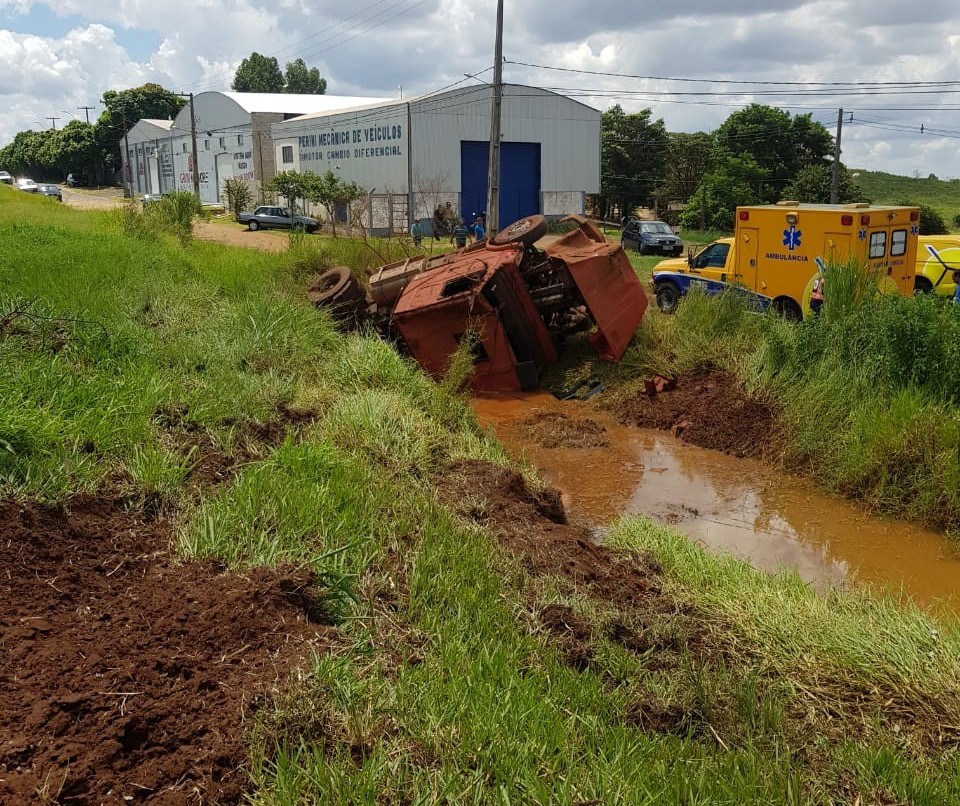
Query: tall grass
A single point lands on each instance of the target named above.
(867, 391)
(437, 685)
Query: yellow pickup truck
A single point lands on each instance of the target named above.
(938, 256)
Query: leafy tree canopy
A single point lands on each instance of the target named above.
(258, 73)
(632, 159)
(303, 80)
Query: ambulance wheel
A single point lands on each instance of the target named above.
(788, 309)
(336, 286)
(668, 296)
(526, 231)
(921, 285)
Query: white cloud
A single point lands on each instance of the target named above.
(369, 48)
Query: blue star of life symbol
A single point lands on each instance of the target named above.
(914, 230)
(791, 237)
(862, 235)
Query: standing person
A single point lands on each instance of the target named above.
(478, 231)
(416, 232)
(460, 234)
(437, 222)
(816, 294)
(956, 291)
(450, 217)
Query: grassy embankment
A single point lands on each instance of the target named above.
(442, 688)
(884, 188)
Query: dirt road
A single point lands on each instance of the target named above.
(235, 235)
(88, 199)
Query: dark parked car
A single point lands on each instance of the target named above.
(49, 190)
(268, 216)
(651, 238)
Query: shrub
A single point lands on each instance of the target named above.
(239, 195)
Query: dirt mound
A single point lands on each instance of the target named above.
(126, 678)
(529, 525)
(554, 429)
(709, 409)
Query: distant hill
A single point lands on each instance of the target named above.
(884, 188)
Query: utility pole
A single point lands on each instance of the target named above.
(86, 111)
(125, 162)
(193, 138)
(493, 176)
(835, 179)
(53, 120)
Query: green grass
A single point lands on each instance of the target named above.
(884, 188)
(440, 686)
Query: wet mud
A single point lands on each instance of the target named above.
(127, 678)
(737, 505)
(708, 409)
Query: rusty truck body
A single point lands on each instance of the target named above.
(516, 302)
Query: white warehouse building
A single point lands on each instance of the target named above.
(233, 141)
(413, 155)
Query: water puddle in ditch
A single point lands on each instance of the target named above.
(736, 505)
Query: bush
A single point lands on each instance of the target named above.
(239, 195)
(931, 221)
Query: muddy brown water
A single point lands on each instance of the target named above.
(740, 506)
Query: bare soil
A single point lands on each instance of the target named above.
(234, 234)
(127, 678)
(532, 525)
(708, 408)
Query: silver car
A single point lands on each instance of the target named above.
(27, 185)
(49, 190)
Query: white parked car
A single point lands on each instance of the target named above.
(27, 184)
(5, 178)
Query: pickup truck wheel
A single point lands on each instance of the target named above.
(526, 231)
(253, 225)
(668, 296)
(335, 287)
(921, 285)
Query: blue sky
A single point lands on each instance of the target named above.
(58, 55)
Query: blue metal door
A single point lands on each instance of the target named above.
(519, 179)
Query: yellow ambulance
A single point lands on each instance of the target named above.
(779, 250)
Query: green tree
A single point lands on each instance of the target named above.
(733, 183)
(258, 73)
(812, 184)
(780, 145)
(292, 186)
(632, 160)
(689, 158)
(333, 193)
(303, 80)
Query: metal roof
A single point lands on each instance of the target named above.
(289, 104)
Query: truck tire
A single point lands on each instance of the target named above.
(788, 309)
(668, 296)
(335, 287)
(526, 231)
(921, 285)
(253, 225)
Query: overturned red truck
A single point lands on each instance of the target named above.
(521, 302)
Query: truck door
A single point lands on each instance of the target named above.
(878, 257)
(745, 270)
(836, 247)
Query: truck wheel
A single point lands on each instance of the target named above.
(788, 309)
(668, 296)
(526, 231)
(335, 287)
(921, 285)
(253, 225)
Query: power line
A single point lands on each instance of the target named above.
(740, 81)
